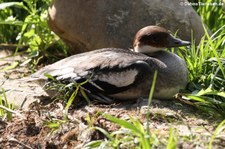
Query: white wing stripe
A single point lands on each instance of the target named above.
(119, 79)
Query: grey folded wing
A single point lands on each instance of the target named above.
(106, 80)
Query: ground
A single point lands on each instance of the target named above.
(30, 125)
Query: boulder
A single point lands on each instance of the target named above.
(93, 24)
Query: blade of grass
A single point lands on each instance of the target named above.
(172, 141)
(150, 100)
(12, 66)
(72, 97)
(10, 4)
(210, 91)
(104, 132)
(70, 101)
(218, 130)
(123, 123)
(214, 51)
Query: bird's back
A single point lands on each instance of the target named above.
(110, 58)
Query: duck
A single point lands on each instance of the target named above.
(115, 74)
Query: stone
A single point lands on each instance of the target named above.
(93, 24)
(14, 90)
(20, 93)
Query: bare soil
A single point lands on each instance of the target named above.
(29, 127)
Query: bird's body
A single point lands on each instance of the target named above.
(121, 74)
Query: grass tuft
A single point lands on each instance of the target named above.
(218, 130)
(5, 107)
(206, 65)
(30, 29)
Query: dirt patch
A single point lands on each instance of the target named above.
(30, 128)
(42, 124)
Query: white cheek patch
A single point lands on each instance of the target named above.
(146, 49)
(119, 79)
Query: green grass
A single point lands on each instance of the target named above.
(6, 108)
(25, 24)
(173, 139)
(206, 65)
(212, 16)
(217, 131)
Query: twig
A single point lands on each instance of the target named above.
(20, 143)
(10, 110)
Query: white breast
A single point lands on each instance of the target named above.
(167, 93)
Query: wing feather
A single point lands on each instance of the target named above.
(108, 71)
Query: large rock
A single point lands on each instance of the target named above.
(93, 24)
